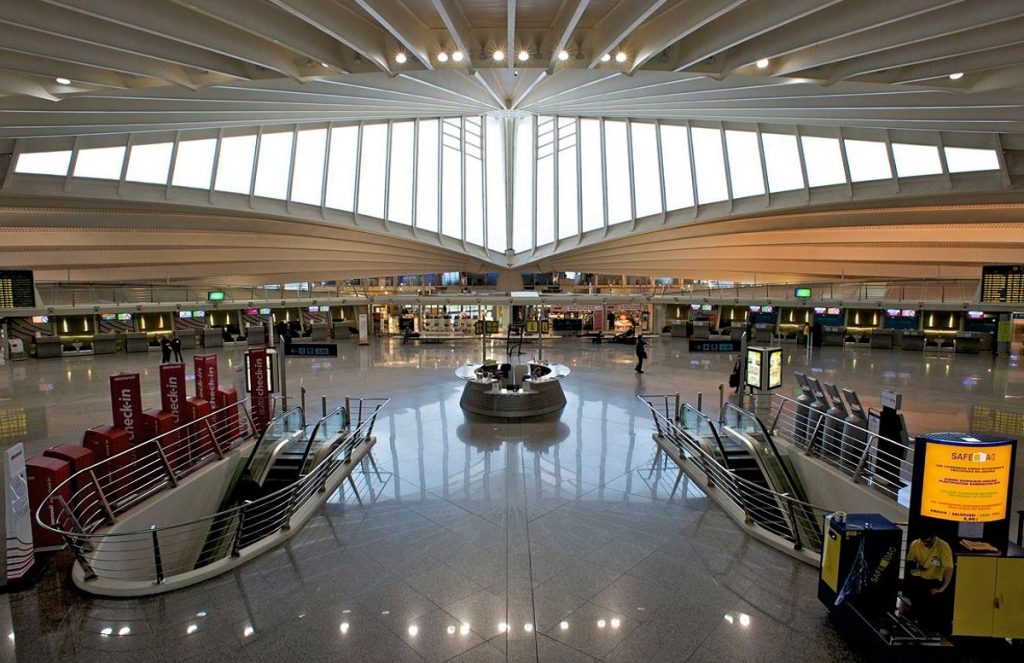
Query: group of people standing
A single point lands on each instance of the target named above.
(167, 346)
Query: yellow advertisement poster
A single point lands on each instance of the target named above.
(966, 483)
(775, 369)
(754, 368)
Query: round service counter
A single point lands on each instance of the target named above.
(512, 392)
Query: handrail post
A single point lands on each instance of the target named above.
(237, 543)
(166, 463)
(76, 551)
(302, 403)
(862, 463)
(700, 401)
(721, 403)
(675, 410)
(213, 438)
(323, 405)
(798, 543)
(289, 509)
(814, 435)
(103, 498)
(157, 561)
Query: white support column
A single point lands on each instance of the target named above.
(846, 161)
(892, 160)
(172, 166)
(415, 174)
(533, 172)
(604, 176)
(725, 160)
(661, 171)
(387, 175)
(693, 168)
(255, 164)
(803, 164)
(579, 183)
(556, 137)
(355, 183)
(764, 165)
(326, 171)
(509, 130)
(632, 178)
(946, 178)
(124, 164)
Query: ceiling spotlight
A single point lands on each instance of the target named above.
(499, 55)
(762, 63)
(457, 56)
(523, 56)
(64, 81)
(620, 56)
(442, 57)
(953, 77)
(400, 58)
(607, 57)
(563, 55)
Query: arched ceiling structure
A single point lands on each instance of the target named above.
(75, 73)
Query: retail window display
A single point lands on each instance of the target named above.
(453, 319)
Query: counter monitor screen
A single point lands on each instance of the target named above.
(325, 309)
(975, 315)
(706, 307)
(833, 311)
(755, 309)
(819, 310)
(695, 307)
(767, 309)
(264, 311)
(124, 317)
(892, 312)
(184, 314)
(908, 313)
(108, 317)
(252, 311)
(40, 319)
(198, 314)
(314, 309)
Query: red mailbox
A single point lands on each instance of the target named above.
(228, 426)
(44, 474)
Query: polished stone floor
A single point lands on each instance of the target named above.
(542, 540)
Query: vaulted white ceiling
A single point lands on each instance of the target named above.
(184, 65)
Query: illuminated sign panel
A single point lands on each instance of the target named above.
(760, 360)
(215, 295)
(966, 483)
(802, 293)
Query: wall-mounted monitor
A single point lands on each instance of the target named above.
(325, 309)
(314, 309)
(695, 307)
(215, 295)
(802, 293)
(767, 309)
(706, 307)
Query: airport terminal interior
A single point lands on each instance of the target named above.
(512, 330)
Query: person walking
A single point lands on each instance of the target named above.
(165, 350)
(641, 353)
(176, 347)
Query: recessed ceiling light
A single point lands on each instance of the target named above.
(762, 63)
(64, 81)
(442, 57)
(401, 58)
(957, 76)
(457, 56)
(523, 56)
(499, 55)
(607, 57)
(620, 56)
(563, 55)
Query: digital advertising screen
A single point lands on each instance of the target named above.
(754, 368)
(775, 368)
(965, 483)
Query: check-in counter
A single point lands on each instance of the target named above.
(48, 346)
(736, 333)
(912, 339)
(763, 332)
(968, 343)
(342, 330)
(104, 344)
(213, 337)
(678, 329)
(188, 338)
(701, 330)
(833, 336)
(881, 339)
(318, 331)
(136, 342)
(256, 335)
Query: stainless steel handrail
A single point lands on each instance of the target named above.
(156, 553)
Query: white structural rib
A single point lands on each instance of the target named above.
(186, 27)
(42, 66)
(404, 27)
(617, 25)
(510, 32)
(676, 24)
(267, 22)
(11, 84)
(737, 22)
(458, 28)
(566, 20)
(341, 24)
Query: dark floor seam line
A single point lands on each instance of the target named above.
(529, 557)
(582, 495)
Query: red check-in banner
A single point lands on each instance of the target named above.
(259, 394)
(172, 392)
(206, 378)
(126, 404)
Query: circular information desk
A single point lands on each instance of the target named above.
(523, 390)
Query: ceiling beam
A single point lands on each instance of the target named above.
(14, 84)
(268, 22)
(404, 27)
(510, 32)
(562, 28)
(187, 27)
(458, 29)
(674, 25)
(617, 25)
(50, 68)
(341, 24)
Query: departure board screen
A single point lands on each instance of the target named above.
(1002, 284)
(16, 289)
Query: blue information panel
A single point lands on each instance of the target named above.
(311, 349)
(712, 346)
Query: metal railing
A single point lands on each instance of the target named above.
(949, 290)
(779, 514)
(86, 503)
(866, 457)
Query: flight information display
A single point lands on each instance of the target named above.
(1002, 284)
(16, 289)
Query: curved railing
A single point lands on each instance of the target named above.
(152, 556)
(864, 456)
(759, 506)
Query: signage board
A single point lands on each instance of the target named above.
(172, 392)
(364, 332)
(966, 483)
(18, 555)
(1002, 284)
(802, 293)
(126, 404)
(215, 295)
(206, 378)
(258, 381)
(293, 349)
(17, 289)
(713, 346)
(764, 368)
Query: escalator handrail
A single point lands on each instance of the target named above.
(316, 429)
(794, 488)
(711, 427)
(259, 443)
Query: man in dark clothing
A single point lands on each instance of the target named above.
(641, 353)
(165, 350)
(176, 347)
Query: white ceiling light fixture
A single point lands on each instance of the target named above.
(442, 57)
(563, 55)
(401, 58)
(457, 56)
(956, 76)
(63, 81)
(620, 56)
(607, 57)
(523, 56)
(498, 55)
(762, 63)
